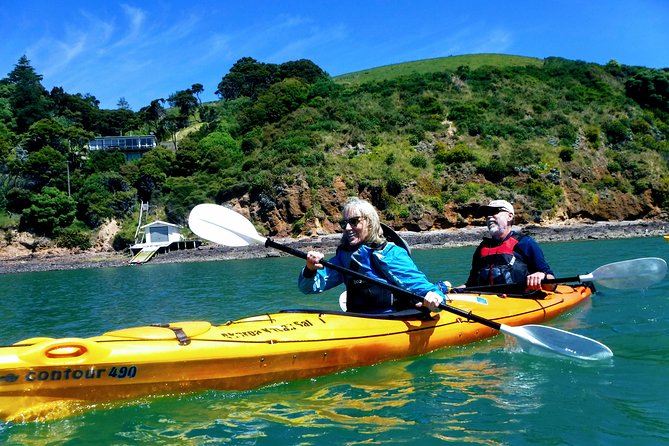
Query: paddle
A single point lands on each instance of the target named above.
(628, 274)
(226, 227)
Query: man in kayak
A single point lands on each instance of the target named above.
(364, 249)
(507, 256)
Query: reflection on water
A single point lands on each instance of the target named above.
(448, 388)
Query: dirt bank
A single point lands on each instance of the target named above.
(62, 260)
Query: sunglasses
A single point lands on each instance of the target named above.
(353, 221)
(495, 211)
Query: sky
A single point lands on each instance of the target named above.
(146, 50)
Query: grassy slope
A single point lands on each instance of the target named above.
(433, 65)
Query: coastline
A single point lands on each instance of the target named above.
(470, 236)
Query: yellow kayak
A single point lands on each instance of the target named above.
(46, 378)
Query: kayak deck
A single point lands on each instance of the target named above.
(38, 375)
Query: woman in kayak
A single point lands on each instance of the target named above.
(507, 256)
(364, 249)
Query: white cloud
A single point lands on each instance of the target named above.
(133, 31)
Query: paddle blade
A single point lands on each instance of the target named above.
(222, 225)
(543, 339)
(631, 274)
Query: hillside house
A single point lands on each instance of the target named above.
(133, 147)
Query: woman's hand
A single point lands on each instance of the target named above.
(314, 260)
(431, 301)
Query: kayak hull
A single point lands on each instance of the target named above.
(44, 378)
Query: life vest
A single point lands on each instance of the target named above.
(500, 263)
(365, 297)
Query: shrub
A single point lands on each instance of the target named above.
(123, 240)
(459, 154)
(614, 166)
(467, 193)
(17, 200)
(616, 132)
(494, 170)
(419, 161)
(73, 238)
(545, 196)
(50, 210)
(592, 134)
(393, 186)
(566, 154)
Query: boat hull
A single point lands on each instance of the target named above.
(44, 378)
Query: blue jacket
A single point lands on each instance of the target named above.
(391, 264)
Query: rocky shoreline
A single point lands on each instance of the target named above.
(50, 261)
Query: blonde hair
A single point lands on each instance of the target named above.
(366, 211)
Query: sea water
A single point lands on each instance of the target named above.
(480, 394)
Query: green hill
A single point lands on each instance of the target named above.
(424, 141)
(451, 63)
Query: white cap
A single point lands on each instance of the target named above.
(497, 205)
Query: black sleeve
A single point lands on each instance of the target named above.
(473, 278)
(307, 273)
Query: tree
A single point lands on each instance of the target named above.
(153, 168)
(303, 69)
(219, 151)
(103, 196)
(6, 112)
(182, 195)
(279, 100)
(45, 167)
(153, 115)
(29, 99)
(197, 89)
(247, 77)
(251, 78)
(114, 122)
(18, 199)
(187, 161)
(171, 126)
(7, 139)
(650, 88)
(50, 210)
(82, 110)
(122, 104)
(185, 102)
(77, 138)
(104, 161)
(45, 132)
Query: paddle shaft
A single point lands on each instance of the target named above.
(628, 274)
(303, 255)
(516, 287)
